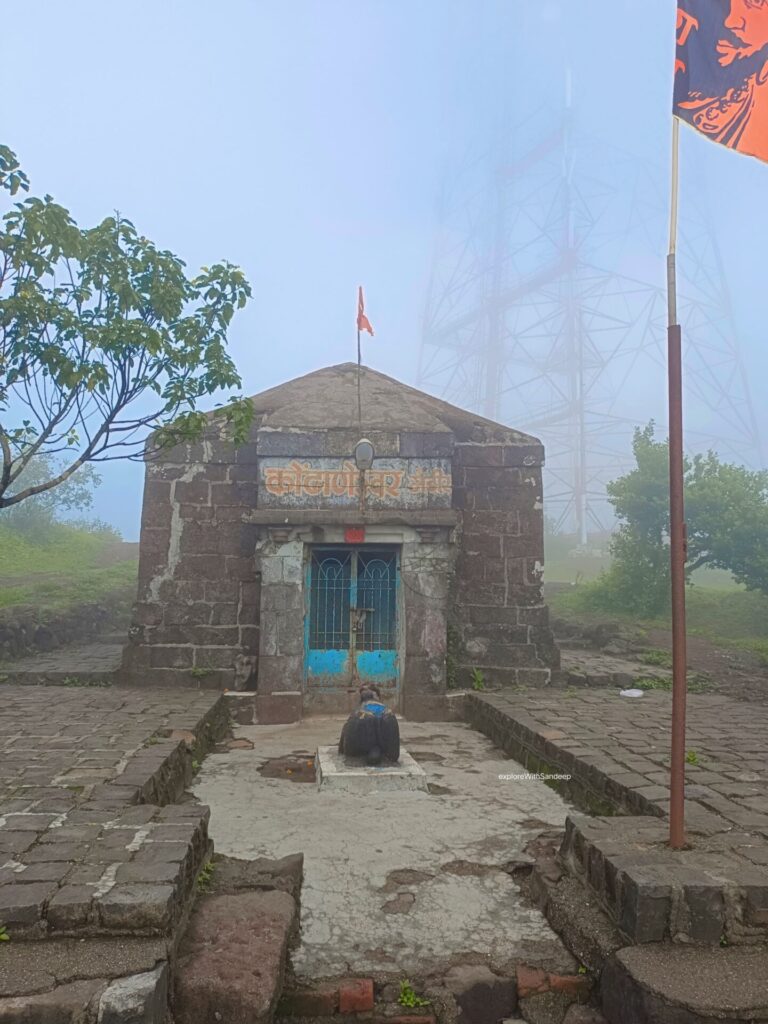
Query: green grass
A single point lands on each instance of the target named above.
(697, 683)
(64, 548)
(732, 617)
(562, 566)
(575, 569)
(656, 657)
(64, 570)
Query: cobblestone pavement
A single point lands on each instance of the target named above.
(626, 740)
(86, 662)
(77, 856)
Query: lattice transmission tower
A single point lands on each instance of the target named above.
(546, 309)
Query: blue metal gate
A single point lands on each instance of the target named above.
(351, 624)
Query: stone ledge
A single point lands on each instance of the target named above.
(654, 893)
(345, 517)
(279, 708)
(518, 734)
(132, 877)
(232, 875)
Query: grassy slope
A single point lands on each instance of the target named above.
(718, 608)
(64, 570)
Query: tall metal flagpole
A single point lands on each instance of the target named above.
(677, 529)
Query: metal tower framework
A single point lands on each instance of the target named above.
(524, 323)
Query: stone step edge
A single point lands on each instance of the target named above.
(654, 895)
(574, 912)
(162, 769)
(88, 678)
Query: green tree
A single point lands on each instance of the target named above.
(726, 513)
(35, 516)
(104, 340)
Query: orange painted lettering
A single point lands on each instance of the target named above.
(686, 23)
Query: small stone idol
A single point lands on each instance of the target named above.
(371, 731)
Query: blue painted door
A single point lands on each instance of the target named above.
(352, 627)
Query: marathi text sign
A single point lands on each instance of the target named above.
(335, 483)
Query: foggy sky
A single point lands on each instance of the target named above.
(306, 140)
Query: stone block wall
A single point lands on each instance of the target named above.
(196, 619)
(499, 613)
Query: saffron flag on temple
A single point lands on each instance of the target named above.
(363, 323)
(721, 72)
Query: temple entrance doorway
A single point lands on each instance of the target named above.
(352, 623)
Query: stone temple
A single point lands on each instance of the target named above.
(294, 566)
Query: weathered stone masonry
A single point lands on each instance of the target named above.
(499, 611)
(223, 595)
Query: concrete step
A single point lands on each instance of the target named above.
(664, 984)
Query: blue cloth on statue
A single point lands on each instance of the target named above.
(374, 708)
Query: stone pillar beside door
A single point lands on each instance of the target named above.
(280, 561)
(427, 567)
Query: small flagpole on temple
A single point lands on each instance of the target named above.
(359, 371)
(363, 324)
(677, 529)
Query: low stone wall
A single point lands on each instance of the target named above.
(710, 894)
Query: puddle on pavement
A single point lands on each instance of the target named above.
(292, 767)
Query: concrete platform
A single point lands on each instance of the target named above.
(401, 884)
(351, 775)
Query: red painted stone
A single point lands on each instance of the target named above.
(575, 985)
(356, 994)
(531, 981)
(354, 535)
(314, 1002)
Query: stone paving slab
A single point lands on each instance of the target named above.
(616, 751)
(91, 662)
(619, 748)
(26, 969)
(90, 841)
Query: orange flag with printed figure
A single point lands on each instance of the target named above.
(721, 72)
(363, 323)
